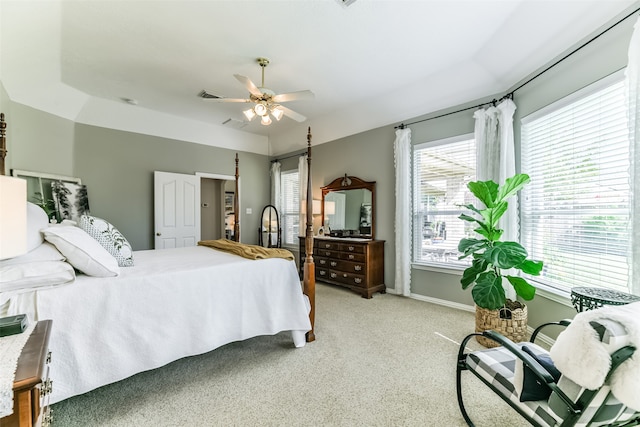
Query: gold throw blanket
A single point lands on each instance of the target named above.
(245, 250)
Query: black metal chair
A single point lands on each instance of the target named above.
(567, 404)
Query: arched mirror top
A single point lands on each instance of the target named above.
(348, 207)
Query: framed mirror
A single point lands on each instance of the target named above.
(348, 208)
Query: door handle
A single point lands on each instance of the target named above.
(158, 234)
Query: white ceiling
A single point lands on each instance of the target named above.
(371, 64)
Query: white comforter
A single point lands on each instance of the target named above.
(173, 303)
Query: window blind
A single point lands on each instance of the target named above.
(442, 170)
(576, 210)
(290, 218)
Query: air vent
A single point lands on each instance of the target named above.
(346, 3)
(235, 124)
(206, 95)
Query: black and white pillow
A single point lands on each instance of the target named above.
(109, 237)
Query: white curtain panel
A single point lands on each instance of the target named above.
(496, 161)
(402, 157)
(632, 80)
(495, 158)
(275, 185)
(303, 173)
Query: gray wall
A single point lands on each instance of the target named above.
(118, 167)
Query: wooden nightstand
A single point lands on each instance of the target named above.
(32, 386)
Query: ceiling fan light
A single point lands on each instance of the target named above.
(266, 120)
(249, 114)
(277, 113)
(260, 109)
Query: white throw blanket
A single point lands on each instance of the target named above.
(579, 354)
(10, 348)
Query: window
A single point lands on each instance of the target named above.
(441, 171)
(290, 216)
(575, 211)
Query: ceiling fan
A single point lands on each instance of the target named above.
(266, 101)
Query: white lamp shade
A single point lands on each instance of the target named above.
(277, 113)
(317, 207)
(249, 114)
(260, 110)
(329, 208)
(13, 217)
(266, 120)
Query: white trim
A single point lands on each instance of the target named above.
(217, 176)
(444, 141)
(445, 303)
(615, 77)
(447, 269)
(22, 173)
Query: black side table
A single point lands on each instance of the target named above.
(590, 298)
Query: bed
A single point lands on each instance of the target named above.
(172, 303)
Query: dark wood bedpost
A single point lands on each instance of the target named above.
(309, 278)
(236, 214)
(3, 142)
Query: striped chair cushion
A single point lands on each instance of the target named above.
(497, 366)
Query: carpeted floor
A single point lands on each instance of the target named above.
(387, 361)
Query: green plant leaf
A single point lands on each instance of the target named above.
(531, 267)
(469, 275)
(472, 208)
(468, 246)
(486, 191)
(511, 186)
(506, 254)
(488, 291)
(524, 290)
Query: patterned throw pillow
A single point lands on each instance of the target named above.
(109, 237)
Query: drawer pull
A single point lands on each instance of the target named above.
(357, 267)
(333, 263)
(344, 275)
(357, 280)
(47, 418)
(323, 261)
(351, 248)
(48, 357)
(323, 273)
(351, 256)
(327, 246)
(333, 275)
(47, 388)
(328, 253)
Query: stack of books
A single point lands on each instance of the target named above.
(13, 324)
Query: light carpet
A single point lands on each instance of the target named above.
(386, 361)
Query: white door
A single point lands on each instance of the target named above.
(176, 210)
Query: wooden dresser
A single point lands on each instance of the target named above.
(355, 264)
(32, 386)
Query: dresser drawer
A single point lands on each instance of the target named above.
(323, 244)
(321, 262)
(326, 253)
(352, 248)
(347, 266)
(355, 257)
(347, 278)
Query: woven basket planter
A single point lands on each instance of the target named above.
(510, 322)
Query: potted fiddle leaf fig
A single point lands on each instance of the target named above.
(492, 258)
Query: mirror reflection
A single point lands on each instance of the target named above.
(348, 206)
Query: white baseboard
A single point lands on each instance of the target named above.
(464, 307)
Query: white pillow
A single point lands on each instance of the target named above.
(82, 251)
(36, 220)
(35, 275)
(44, 252)
(109, 237)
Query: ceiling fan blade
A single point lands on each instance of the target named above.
(226, 100)
(246, 81)
(294, 96)
(292, 114)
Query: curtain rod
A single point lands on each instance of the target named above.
(289, 156)
(510, 94)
